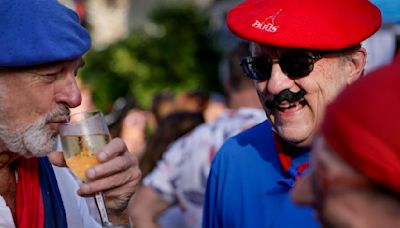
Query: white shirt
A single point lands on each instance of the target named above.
(181, 176)
(76, 209)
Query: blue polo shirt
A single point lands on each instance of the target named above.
(243, 189)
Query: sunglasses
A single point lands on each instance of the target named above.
(294, 65)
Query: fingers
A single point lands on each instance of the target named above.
(117, 188)
(114, 173)
(111, 167)
(57, 159)
(113, 149)
(116, 176)
(112, 159)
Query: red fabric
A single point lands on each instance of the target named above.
(211, 155)
(363, 126)
(300, 169)
(303, 166)
(29, 202)
(308, 24)
(285, 160)
(80, 10)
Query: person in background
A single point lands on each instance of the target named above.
(162, 105)
(179, 179)
(170, 128)
(356, 157)
(211, 105)
(133, 130)
(216, 105)
(191, 100)
(120, 109)
(41, 48)
(135, 125)
(303, 53)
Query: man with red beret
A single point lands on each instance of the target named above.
(355, 181)
(41, 48)
(303, 54)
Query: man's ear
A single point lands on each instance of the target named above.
(357, 60)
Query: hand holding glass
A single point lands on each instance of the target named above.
(84, 136)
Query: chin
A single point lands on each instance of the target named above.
(296, 138)
(40, 144)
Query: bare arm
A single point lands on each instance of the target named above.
(145, 208)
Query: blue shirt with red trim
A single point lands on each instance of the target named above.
(247, 188)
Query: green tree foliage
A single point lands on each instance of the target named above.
(176, 51)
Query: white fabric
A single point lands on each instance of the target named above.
(181, 176)
(171, 218)
(76, 209)
(6, 220)
(381, 48)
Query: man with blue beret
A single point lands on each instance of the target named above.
(41, 48)
(303, 54)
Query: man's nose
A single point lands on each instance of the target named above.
(68, 91)
(279, 81)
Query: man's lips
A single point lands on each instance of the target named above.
(285, 105)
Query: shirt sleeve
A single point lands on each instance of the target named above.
(163, 177)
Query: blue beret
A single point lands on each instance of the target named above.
(34, 32)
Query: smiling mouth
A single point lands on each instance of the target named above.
(286, 100)
(286, 105)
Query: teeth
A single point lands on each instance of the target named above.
(284, 106)
(287, 105)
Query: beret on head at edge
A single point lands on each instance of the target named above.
(307, 24)
(36, 32)
(363, 128)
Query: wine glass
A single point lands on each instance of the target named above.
(82, 137)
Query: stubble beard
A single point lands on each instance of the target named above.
(34, 140)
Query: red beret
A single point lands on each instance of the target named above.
(363, 126)
(308, 24)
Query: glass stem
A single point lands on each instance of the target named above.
(102, 209)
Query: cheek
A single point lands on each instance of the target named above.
(323, 86)
(333, 81)
(261, 91)
(27, 109)
(11, 109)
(261, 86)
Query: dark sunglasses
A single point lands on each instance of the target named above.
(294, 65)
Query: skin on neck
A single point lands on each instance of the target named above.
(8, 183)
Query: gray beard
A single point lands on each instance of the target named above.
(34, 140)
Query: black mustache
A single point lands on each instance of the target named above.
(285, 95)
